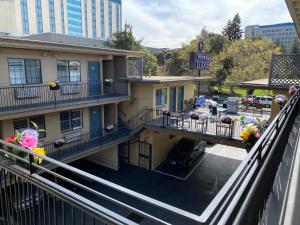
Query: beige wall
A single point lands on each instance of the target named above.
(52, 124)
(107, 158)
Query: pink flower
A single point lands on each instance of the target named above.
(257, 133)
(29, 141)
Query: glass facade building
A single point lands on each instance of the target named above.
(74, 17)
(52, 16)
(285, 33)
(39, 16)
(85, 18)
(24, 17)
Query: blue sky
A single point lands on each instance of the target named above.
(169, 23)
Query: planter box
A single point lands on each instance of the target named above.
(68, 89)
(57, 87)
(57, 145)
(27, 92)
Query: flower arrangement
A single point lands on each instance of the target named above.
(226, 119)
(292, 90)
(261, 124)
(54, 85)
(250, 134)
(281, 100)
(194, 116)
(59, 143)
(109, 128)
(29, 139)
(108, 82)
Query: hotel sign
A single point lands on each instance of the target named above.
(199, 61)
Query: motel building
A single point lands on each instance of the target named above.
(125, 148)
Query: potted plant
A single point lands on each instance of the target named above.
(194, 116)
(108, 82)
(54, 85)
(166, 112)
(59, 143)
(109, 128)
(226, 119)
(29, 139)
(250, 134)
(281, 100)
(292, 90)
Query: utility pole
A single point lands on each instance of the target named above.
(200, 48)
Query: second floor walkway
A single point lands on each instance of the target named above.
(23, 98)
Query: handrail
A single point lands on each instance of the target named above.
(148, 200)
(260, 152)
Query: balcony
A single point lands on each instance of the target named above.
(80, 145)
(14, 99)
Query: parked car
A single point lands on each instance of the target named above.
(220, 99)
(265, 101)
(185, 152)
(248, 100)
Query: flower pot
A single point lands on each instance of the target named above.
(54, 88)
(167, 113)
(59, 144)
(226, 122)
(195, 117)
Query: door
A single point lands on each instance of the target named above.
(145, 155)
(94, 78)
(95, 122)
(173, 99)
(180, 99)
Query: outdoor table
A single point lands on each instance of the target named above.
(221, 110)
(175, 116)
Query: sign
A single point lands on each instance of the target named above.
(199, 61)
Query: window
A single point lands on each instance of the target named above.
(118, 18)
(94, 17)
(24, 71)
(110, 18)
(52, 16)
(70, 120)
(68, 71)
(24, 123)
(62, 15)
(74, 17)
(86, 18)
(102, 19)
(39, 16)
(24, 15)
(161, 97)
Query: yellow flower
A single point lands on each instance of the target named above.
(52, 84)
(40, 151)
(245, 134)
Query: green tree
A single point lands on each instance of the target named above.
(125, 40)
(150, 63)
(295, 49)
(232, 31)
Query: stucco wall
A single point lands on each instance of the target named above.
(107, 158)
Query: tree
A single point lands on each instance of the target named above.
(295, 49)
(232, 31)
(126, 40)
(150, 63)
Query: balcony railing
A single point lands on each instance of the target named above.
(81, 143)
(18, 97)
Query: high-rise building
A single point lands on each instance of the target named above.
(85, 18)
(285, 33)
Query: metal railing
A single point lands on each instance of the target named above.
(20, 97)
(240, 201)
(84, 142)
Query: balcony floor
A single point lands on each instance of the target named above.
(192, 195)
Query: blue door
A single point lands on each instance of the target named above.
(94, 78)
(180, 99)
(95, 122)
(173, 99)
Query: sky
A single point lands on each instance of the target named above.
(170, 23)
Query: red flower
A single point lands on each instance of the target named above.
(11, 139)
